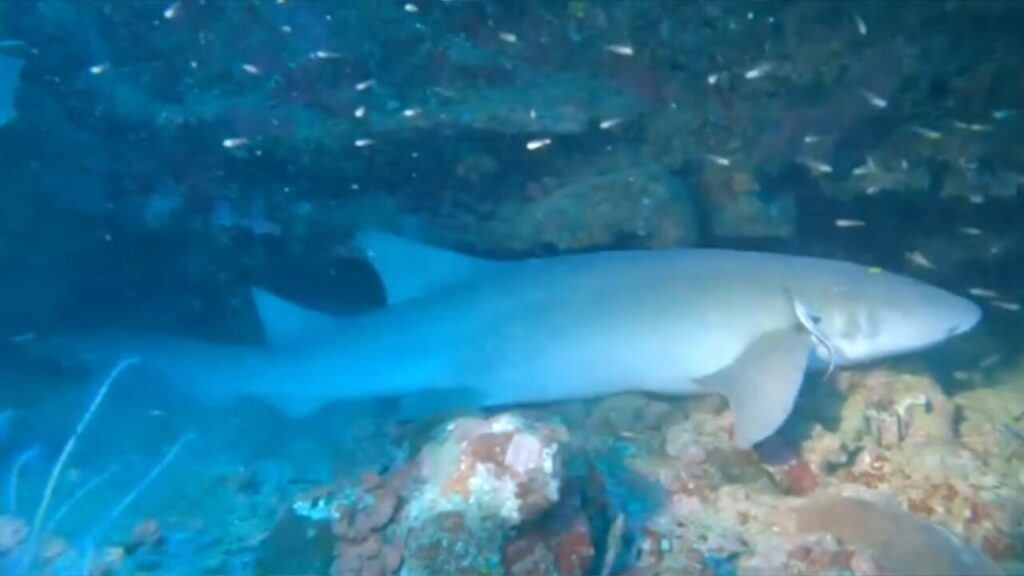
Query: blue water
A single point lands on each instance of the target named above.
(161, 158)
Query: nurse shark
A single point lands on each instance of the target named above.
(464, 330)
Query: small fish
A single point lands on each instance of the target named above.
(868, 167)
(964, 375)
(411, 112)
(989, 361)
(365, 84)
(720, 160)
(446, 92)
(816, 166)
(235, 142)
(874, 99)
(22, 337)
(969, 230)
(620, 49)
(972, 127)
(976, 198)
(508, 37)
(97, 69)
(538, 143)
(967, 165)
(862, 26)
(325, 55)
(609, 123)
(919, 259)
(1003, 114)
(1006, 305)
(252, 69)
(982, 292)
(849, 223)
(172, 11)
(927, 132)
(363, 143)
(412, 8)
(713, 78)
(359, 112)
(811, 138)
(758, 71)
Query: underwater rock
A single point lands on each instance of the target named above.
(596, 211)
(349, 528)
(503, 469)
(295, 545)
(823, 451)
(752, 215)
(364, 549)
(946, 483)
(628, 415)
(792, 472)
(887, 409)
(557, 103)
(481, 478)
(900, 542)
(562, 549)
(992, 424)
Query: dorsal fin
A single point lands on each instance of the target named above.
(285, 322)
(409, 269)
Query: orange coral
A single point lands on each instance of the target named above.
(364, 547)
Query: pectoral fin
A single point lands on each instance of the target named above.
(763, 383)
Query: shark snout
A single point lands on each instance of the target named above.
(919, 319)
(966, 315)
(951, 315)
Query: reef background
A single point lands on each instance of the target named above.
(159, 158)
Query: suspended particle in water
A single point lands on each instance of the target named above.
(538, 143)
(620, 49)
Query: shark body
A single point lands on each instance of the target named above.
(685, 321)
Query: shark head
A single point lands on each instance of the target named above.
(868, 314)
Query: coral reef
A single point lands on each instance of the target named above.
(180, 152)
(480, 479)
(649, 205)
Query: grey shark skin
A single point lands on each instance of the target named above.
(676, 322)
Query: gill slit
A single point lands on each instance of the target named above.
(810, 323)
